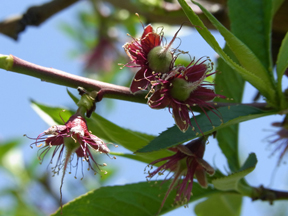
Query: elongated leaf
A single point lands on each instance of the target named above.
(130, 156)
(141, 199)
(131, 140)
(7, 146)
(219, 205)
(230, 115)
(251, 22)
(142, 157)
(231, 84)
(282, 64)
(73, 97)
(252, 70)
(231, 182)
(106, 130)
(250, 162)
(282, 59)
(276, 5)
(244, 55)
(114, 133)
(52, 115)
(228, 82)
(228, 142)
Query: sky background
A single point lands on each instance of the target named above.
(48, 46)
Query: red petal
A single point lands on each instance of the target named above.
(201, 177)
(80, 152)
(54, 141)
(180, 117)
(149, 39)
(203, 94)
(205, 166)
(132, 50)
(158, 101)
(195, 72)
(139, 82)
(148, 29)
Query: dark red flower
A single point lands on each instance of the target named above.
(74, 135)
(102, 57)
(183, 88)
(280, 140)
(184, 164)
(152, 58)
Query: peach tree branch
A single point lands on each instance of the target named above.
(15, 64)
(34, 16)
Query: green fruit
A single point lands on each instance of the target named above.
(179, 90)
(160, 59)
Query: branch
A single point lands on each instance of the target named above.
(171, 13)
(12, 63)
(266, 194)
(34, 16)
(15, 64)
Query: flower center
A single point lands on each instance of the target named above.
(182, 166)
(71, 144)
(159, 59)
(181, 89)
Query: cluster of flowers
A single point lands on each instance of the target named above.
(177, 87)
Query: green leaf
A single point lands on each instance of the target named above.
(113, 133)
(25, 209)
(129, 156)
(228, 142)
(245, 56)
(68, 30)
(219, 205)
(142, 157)
(232, 181)
(250, 162)
(252, 70)
(52, 115)
(230, 115)
(251, 22)
(230, 84)
(101, 127)
(6, 147)
(141, 199)
(73, 97)
(282, 59)
(282, 64)
(276, 5)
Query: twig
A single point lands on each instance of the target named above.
(34, 16)
(15, 64)
(270, 195)
(171, 13)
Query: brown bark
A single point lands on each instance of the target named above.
(34, 16)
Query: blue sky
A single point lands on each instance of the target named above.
(48, 46)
